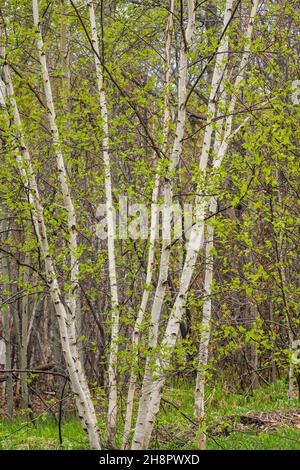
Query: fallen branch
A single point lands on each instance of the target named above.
(38, 370)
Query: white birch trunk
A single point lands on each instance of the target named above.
(205, 331)
(205, 327)
(208, 276)
(140, 316)
(165, 252)
(79, 386)
(220, 152)
(196, 238)
(23, 339)
(113, 355)
(68, 203)
(6, 342)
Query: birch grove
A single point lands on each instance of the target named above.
(149, 218)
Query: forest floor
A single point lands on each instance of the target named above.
(267, 419)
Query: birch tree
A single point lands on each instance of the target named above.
(197, 234)
(113, 356)
(6, 320)
(220, 149)
(84, 403)
(68, 203)
(151, 251)
(165, 250)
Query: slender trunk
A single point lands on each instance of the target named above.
(6, 309)
(140, 316)
(291, 387)
(288, 315)
(142, 439)
(273, 362)
(205, 327)
(253, 350)
(2, 353)
(115, 320)
(84, 404)
(32, 318)
(205, 334)
(9, 391)
(69, 207)
(73, 300)
(165, 252)
(5, 313)
(23, 339)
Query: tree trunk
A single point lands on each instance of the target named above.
(168, 196)
(7, 323)
(23, 338)
(142, 436)
(79, 386)
(115, 320)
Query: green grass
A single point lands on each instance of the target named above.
(282, 439)
(43, 434)
(218, 404)
(173, 429)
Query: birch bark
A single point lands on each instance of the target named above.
(153, 232)
(84, 404)
(165, 252)
(68, 204)
(5, 314)
(115, 320)
(207, 309)
(220, 151)
(23, 338)
(197, 233)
